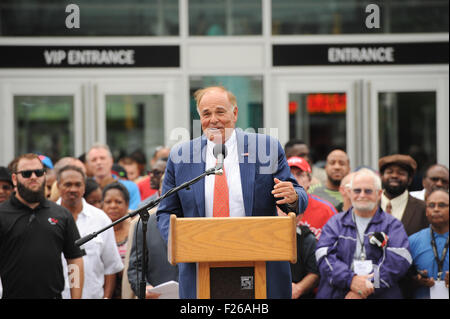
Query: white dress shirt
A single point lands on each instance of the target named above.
(233, 174)
(102, 256)
(419, 194)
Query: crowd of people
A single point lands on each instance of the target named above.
(92, 192)
(361, 234)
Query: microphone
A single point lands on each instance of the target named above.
(85, 239)
(379, 239)
(220, 152)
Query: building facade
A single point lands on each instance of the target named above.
(371, 77)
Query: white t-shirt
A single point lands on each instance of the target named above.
(102, 256)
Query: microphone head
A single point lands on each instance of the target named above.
(220, 149)
(379, 239)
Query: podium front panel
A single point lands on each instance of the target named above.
(225, 239)
(232, 282)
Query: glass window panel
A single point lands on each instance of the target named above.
(319, 120)
(44, 125)
(249, 95)
(407, 125)
(349, 16)
(97, 18)
(134, 122)
(229, 17)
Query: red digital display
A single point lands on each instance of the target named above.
(293, 106)
(326, 103)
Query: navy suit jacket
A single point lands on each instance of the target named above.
(261, 159)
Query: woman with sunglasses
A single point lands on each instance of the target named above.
(429, 248)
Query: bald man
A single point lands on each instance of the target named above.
(336, 167)
(436, 176)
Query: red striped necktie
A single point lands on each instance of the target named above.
(221, 204)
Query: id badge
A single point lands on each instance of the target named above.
(439, 291)
(362, 267)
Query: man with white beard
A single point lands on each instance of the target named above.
(363, 252)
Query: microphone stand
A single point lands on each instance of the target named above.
(143, 212)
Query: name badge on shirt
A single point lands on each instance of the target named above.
(439, 291)
(362, 267)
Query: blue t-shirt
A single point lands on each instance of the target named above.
(423, 256)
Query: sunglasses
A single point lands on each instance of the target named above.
(28, 173)
(366, 191)
(440, 205)
(437, 179)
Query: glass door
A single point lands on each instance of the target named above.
(42, 117)
(139, 115)
(318, 111)
(319, 119)
(408, 119)
(134, 122)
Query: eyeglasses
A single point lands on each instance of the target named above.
(440, 205)
(28, 173)
(6, 187)
(437, 179)
(367, 191)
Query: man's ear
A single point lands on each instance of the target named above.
(14, 179)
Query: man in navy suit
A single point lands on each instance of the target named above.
(257, 175)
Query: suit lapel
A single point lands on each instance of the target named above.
(247, 170)
(411, 217)
(198, 168)
(408, 214)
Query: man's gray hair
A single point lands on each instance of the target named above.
(198, 95)
(96, 146)
(367, 172)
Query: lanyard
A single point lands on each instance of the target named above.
(362, 256)
(440, 262)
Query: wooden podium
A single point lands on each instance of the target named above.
(232, 242)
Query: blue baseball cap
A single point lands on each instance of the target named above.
(46, 161)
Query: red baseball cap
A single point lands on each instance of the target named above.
(300, 163)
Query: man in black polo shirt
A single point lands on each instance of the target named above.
(33, 234)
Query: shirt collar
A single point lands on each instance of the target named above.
(348, 219)
(396, 200)
(229, 143)
(444, 235)
(16, 202)
(84, 210)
